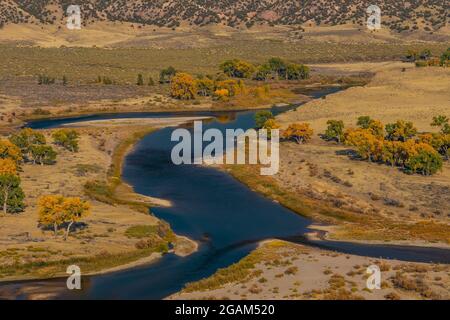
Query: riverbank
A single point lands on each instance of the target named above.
(106, 241)
(283, 270)
(320, 181)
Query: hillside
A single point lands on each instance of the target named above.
(424, 15)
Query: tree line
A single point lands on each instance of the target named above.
(396, 144)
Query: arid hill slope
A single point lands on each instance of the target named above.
(428, 15)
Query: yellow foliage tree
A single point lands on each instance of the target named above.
(270, 125)
(300, 132)
(8, 150)
(8, 166)
(55, 210)
(183, 86)
(222, 94)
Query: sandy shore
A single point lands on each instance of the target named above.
(155, 122)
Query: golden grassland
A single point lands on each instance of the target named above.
(283, 270)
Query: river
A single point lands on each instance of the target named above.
(211, 207)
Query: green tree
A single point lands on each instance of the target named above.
(296, 71)
(400, 130)
(183, 86)
(11, 194)
(43, 154)
(335, 130)
(25, 139)
(166, 75)
(151, 82)
(205, 87)
(8, 150)
(261, 117)
(67, 139)
(140, 80)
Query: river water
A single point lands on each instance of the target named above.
(209, 206)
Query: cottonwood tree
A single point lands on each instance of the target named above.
(441, 121)
(25, 139)
(140, 80)
(335, 130)
(166, 75)
(42, 154)
(270, 125)
(8, 150)
(54, 210)
(237, 68)
(11, 194)
(261, 118)
(183, 86)
(400, 130)
(205, 87)
(67, 139)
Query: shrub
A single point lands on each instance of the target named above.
(263, 72)
(11, 194)
(140, 80)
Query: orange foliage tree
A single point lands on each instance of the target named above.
(299, 132)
